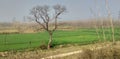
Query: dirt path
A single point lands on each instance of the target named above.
(55, 53)
(71, 53)
(62, 55)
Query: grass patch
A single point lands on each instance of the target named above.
(31, 40)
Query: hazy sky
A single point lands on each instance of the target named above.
(76, 9)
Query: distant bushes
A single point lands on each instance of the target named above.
(9, 33)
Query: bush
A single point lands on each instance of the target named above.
(86, 54)
(43, 46)
(104, 53)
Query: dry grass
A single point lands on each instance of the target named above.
(36, 54)
(110, 52)
(8, 31)
(89, 52)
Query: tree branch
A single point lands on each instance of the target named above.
(36, 19)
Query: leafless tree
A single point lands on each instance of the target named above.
(111, 20)
(95, 24)
(97, 15)
(44, 15)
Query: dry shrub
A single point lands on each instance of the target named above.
(86, 54)
(107, 53)
(104, 53)
(116, 53)
(43, 46)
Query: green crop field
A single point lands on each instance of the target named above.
(78, 36)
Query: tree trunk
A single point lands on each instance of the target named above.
(111, 20)
(50, 41)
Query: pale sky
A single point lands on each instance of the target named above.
(76, 9)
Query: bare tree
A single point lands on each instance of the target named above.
(43, 15)
(97, 15)
(111, 20)
(95, 24)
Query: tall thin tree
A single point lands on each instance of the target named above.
(110, 19)
(95, 24)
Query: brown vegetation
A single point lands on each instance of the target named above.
(31, 27)
(88, 52)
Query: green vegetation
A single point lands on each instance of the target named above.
(78, 36)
